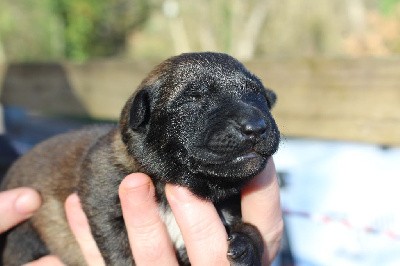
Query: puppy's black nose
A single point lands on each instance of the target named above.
(254, 127)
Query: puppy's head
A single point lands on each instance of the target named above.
(201, 120)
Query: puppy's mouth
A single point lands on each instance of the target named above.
(227, 168)
(207, 157)
(248, 156)
(230, 154)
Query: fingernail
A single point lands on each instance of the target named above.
(136, 188)
(73, 200)
(27, 203)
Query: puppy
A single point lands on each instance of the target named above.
(199, 120)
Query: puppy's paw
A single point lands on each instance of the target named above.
(245, 245)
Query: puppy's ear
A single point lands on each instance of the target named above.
(271, 97)
(140, 110)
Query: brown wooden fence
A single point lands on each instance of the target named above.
(340, 99)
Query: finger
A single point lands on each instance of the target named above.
(148, 236)
(261, 207)
(80, 228)
(46, 261)
(17, 205)
(201, 227)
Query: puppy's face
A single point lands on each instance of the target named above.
(202, 116)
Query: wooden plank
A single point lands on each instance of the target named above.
(104, 87)
(340, 99)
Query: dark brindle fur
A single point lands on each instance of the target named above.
(199, 120)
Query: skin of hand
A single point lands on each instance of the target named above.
(16, 206)
(197, 219)
(261, 206)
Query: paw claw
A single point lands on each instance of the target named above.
(243, 249)
(237, 246)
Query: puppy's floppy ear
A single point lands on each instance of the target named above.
(271, 97)
(140, 110)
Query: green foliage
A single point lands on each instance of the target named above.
(78, 30)
(98, 27)
(73, 29)
(30, 30)
(388, 6)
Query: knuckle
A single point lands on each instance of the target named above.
(204, 229)
(148, 247)
(276, 233)
(147, 229)
(273, 241)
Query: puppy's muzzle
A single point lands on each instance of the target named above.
(238, 133)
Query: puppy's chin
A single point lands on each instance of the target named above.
(230, 168)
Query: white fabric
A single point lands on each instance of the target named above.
(341, 202)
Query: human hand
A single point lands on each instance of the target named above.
(198, 221)
(18, 205)
(147, 233)
(202, 228)
(261, 207)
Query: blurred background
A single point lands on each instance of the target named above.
(80, 30)
(334, 64)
